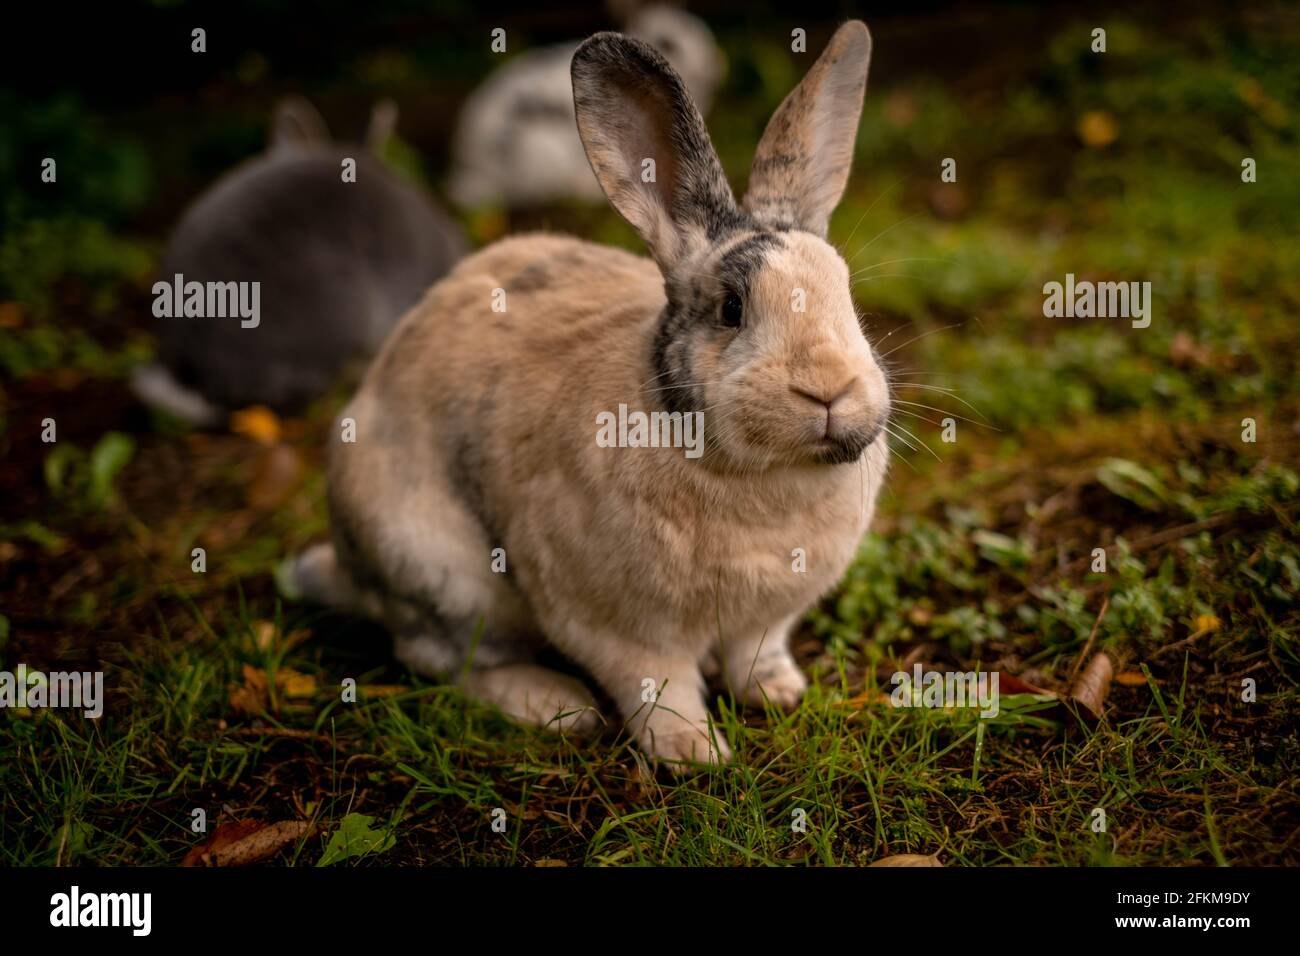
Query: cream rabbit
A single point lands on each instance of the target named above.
(515, 142)
(475, 429)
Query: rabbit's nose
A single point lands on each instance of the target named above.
(825, 396)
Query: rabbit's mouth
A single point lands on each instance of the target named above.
(846, 446)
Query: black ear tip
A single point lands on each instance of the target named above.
(603, 38)
(599, 46)
(610, 49)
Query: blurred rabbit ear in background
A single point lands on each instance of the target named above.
(687, 43)
(296, 124)
(516, 142)
(383, 124)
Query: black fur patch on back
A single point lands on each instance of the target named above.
(549, 272)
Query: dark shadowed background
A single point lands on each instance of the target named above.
(1072, 435)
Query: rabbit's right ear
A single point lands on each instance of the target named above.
(802, 163)
(647, 144)
(296, 123)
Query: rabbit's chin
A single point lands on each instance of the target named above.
(840, 451)
(749, 459)
(774, 444)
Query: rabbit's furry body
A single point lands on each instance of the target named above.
(475, 430)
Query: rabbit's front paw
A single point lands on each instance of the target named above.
(782, 683)
(775, 677)
(661, 696)
(681, 745)
(536, 695)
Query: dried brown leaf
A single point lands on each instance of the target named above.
(255, 845)
(241, 842)
(1090, 690)
(279, 469)
(908, 859)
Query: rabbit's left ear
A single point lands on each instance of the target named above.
(803, 160)
(296, 123)
(648, 146)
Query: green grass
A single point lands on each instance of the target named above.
(872, 780)
(1071, 435)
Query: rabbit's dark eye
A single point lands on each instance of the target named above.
(733, 310)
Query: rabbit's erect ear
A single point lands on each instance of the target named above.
(648, 146)
(296, 123)
(803, 160)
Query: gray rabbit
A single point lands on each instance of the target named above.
(332, 265)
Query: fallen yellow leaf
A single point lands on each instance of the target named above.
(294, 684)
(1205, 623)
(1131, 679)
(1098, 128)
(253, 697)
(870, 696)
(258, 423)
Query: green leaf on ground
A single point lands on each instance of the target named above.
(355, 837)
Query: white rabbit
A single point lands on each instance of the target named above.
(337, 263)
(515, 142)
(476, 429)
